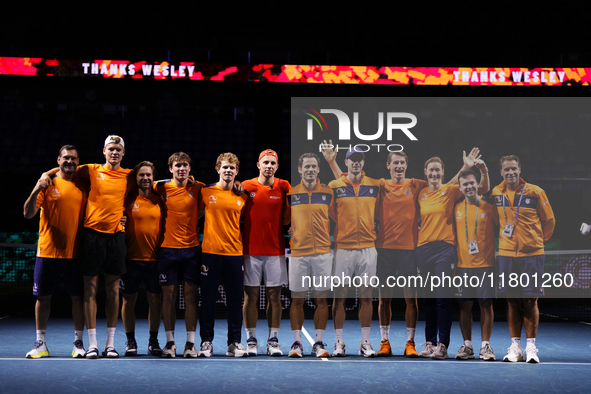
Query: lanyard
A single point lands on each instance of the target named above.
(518, 205)
(475, 218)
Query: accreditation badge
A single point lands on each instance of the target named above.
(473, 247)
(508, 230)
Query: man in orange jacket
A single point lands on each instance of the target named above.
(526, 222)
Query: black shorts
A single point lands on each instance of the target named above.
(138, 271)
(176, 265)
(102, 251)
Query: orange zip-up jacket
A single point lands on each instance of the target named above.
(310, 219)
(535, 222)
(354, 212)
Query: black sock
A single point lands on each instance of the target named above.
(130, 335)
(153, 335)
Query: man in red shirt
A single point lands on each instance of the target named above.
(264, 249)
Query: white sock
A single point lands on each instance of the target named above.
(385, 332)
(273, 332)
(468, 342)
(365, 334)
(78, 335)
(110, 336)
(410, 333)
(251, 332)
(169, 336)
(338, 333)
(92, 338)
(517, 341)
(191, 336)
(297, 335)
(532, 341)
(319, 335)
(484, 343)
(40, 335)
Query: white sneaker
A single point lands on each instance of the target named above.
(339, 349)
(440, 352)
(206, 350)
(39, 350)
(427, 351)
(252, 347)
(465, 353)
(487, 354)
(78, 350)
(319, 351)
(296, 350)
(514, 354)
(190, 351)
(531, 352)
(273, 347)
(236, 350)
(366, 350)
(169, 350)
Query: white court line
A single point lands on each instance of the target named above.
(311, 341)
(307, 359)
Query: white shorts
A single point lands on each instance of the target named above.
(272, 268)
(351, 263)
(310, 272)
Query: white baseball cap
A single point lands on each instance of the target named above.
(114, 139)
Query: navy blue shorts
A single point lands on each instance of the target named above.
(102, 250)
(138, 271)
(437, 259)
(176, 265)
(526, 281)
(392, 262)
(46, 277)
(477, 283)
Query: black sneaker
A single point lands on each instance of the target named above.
(131, 349)
(154, 348)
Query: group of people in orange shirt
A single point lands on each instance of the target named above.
(456, 237)
(84, 214)
(104, 218)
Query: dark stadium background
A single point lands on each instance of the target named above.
(156, 118)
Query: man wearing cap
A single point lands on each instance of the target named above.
(62, 213)
(264, 249)
(356, 198)
(103, 239)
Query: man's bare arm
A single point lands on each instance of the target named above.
(30, 209)
(484, 185)
(330, 155)
(469, 162)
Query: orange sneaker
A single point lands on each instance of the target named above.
(409, 349)
(385, 349)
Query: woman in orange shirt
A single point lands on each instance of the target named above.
(436, 251)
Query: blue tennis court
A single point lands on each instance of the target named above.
(564, 351)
